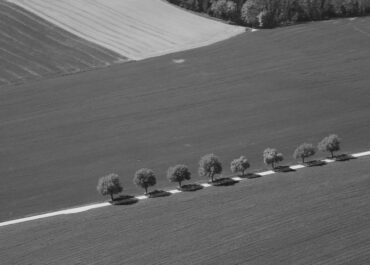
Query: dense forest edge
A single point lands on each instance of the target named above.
(273, 13)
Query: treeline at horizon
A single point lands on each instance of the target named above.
(272, 13)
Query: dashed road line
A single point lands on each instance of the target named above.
(265, 173)
(174, 191)
(142, 197)
(361, 154)
(297, 167)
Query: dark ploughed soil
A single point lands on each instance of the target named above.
(273, 88)
(317, 215)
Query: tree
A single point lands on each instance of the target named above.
(239, 165)
(224, 9)
(303, 151)
(330, 144)
(178, 173)
(271, 157)
(250, 11)
(109, 185)
(145, 178)
(209, 166)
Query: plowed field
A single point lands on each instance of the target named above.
(136, 29)
(274, 88)
(32, 48)
(312, 216)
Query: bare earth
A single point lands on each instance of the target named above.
(33, 48)
(312, 216)
(275, 88)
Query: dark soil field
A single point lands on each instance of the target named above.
(317, 215)
(272, 88)
(32, 48)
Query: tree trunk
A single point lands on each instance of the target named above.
(111, 196)
(273, 165)
(146, 190)
(211, 177)
(332, 154)
(302, 159)
(180, 184)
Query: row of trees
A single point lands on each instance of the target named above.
(270, 13)
(210, 166)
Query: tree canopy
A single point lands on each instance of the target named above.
(330, 144)
(109, 185)
(239, 165)
(303, 151)
(271, 157)
(145, 178)
(178, 173)
(209, 166)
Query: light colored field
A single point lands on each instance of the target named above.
(32, 48)
(134, 28)
(313, 216)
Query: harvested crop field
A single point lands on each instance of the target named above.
(274, 88)
(313, 216)
(32, 48)
(135, 29)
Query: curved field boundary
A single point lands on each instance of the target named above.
(32, 48)
(143, 197)
(132, 28)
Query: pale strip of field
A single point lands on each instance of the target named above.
(142, 197)
(32, 49)
(137, 29)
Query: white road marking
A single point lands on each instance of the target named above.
(361, 154)
(297, 166)
(142, 197)
(62, 212)
(328, 160)
(174, 191)
(85, 208)
(265, 173)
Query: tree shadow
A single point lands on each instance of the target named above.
(344, 157)
(283, 169)
(124, 200)
(158, 193)
(191, 187)
(251, 176)
(223, 182)
(315, 163)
